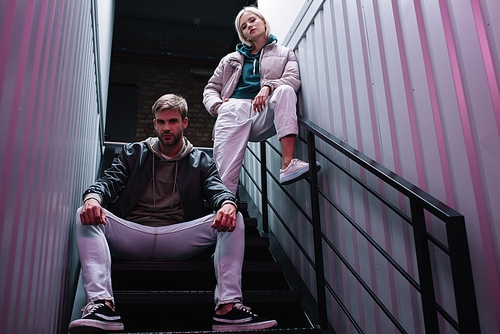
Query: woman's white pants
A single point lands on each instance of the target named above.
(237, 124)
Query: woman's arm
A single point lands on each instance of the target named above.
(212, 93)
(290, 75)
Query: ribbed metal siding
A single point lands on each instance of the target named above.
(49, 149)
(414, 84)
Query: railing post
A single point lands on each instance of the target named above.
(263, 177)
(317, 234)
(463, 283)
(424, 269)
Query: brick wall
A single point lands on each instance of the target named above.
(146, 64)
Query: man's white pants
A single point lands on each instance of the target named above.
(237, 124)
(122, 239)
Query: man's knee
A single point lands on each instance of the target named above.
(78, 220)
(240, 223)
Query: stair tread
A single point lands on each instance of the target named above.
(253, 266)
(202, 296)
(242, 206)
(250, 222)
(270, 330)
(256, 241)
(191, 282)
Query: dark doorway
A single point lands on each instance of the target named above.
(122, 113)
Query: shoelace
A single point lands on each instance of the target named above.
(90, 308)
(292, 163)
(244, 308)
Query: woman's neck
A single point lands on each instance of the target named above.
(259, 44)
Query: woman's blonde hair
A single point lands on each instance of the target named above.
(257, 12)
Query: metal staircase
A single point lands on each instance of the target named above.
(177, 296)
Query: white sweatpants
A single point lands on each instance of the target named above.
(122, 239)
(237, 124)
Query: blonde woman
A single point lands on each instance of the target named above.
(253, 94)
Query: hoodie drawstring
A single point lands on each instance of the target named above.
(254, 61)
(175, 185)
(153, 168)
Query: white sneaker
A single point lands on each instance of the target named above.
(296, 170)
(240, 318)
(97, 318)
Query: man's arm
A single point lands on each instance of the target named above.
(219, 197)
(214, 190)
(110, 184)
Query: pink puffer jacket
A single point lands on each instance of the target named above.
(278, 66)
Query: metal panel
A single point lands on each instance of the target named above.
(50, 147)
(414, 84)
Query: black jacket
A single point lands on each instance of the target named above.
(123, 184)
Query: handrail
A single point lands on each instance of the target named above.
(434, 206)
(457, 246)
(468, 318)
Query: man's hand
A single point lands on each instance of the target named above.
(225, 218)
(260, 100)
(92, 213)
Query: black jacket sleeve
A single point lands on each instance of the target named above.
(114, 179)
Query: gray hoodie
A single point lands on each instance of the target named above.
(160, 205)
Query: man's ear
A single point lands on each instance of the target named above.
(184, 123)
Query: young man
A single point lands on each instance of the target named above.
(149, 205)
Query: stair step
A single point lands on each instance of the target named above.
(205, 297)
(139, 280)
(189, 318)
(256, 241)
(248, 266)
(270, 330)
(250, 222)
(242, 206)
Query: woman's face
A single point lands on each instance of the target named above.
(252, 25)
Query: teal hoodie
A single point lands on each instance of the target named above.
(249, 83)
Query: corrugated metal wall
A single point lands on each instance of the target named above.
(50, 122)
(413, 84)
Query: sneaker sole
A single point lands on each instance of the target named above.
(244, 327)
(89, 326)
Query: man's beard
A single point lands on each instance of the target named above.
(170, 142)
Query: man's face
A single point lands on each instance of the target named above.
(169, 128)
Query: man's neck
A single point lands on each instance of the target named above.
(171, 151)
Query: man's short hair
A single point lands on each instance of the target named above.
(171, 101)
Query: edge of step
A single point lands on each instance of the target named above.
(248, 266)
(202, 297)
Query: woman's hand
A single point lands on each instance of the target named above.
(225, 100)
(260, 100)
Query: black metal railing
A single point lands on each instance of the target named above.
(421, 205)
